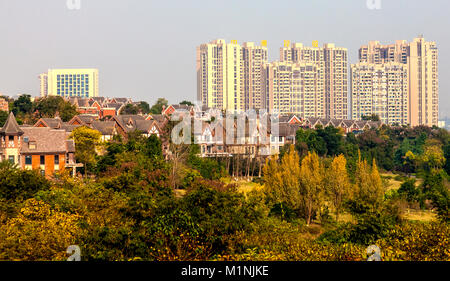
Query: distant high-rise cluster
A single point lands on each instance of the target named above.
(70, 83)
(397, 82)
(405, 89)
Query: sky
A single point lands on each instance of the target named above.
(146, 49)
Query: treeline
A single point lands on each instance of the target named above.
(133, 204)
(29, 112)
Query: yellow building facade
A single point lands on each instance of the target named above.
(70, 83)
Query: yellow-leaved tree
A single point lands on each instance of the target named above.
(369, 187)
(311, 185)
(38, 233)
(281, 180)
(338, 184)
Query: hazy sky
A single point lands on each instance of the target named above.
(145, 49)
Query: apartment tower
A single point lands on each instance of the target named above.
(421, 60)
(254, 58)
(294, 88)
(219, 77)
(333, 73)
(380, 89)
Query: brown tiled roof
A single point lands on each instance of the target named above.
(104, 127)
(69, 128)
(116, 106)
(47, 140)
(11, 127)
(87, 119)
(54, 123)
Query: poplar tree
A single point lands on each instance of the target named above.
(311, 185)
(338, 184)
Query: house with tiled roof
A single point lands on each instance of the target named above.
(36, 148)
(54, 123)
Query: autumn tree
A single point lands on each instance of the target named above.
(38, 233)
(311, 185)
(282, 180)
(369, 187)
(338, 184)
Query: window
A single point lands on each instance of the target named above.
(12, 159)
(56, 159)
(32, 145)
(28, 160)
(42, 160)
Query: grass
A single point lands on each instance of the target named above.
(391, 182)
(243, 186)
(420, 215)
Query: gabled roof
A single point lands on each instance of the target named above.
(47, 140)
(116, 106)
(11, 128)
(348, 123)
(146, 126)
(127, 122)
(362, 124)
(54, 123)
(105, 127)
(84, 119)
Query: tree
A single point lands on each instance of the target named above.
(338, 184)
(38, 233)
(22, 105)
(144, 107)
(187, 103)
(19, 185)
(3, 117)
(129, 109)
(157, 108)
(50, 106)
(282, 180)
(311, 185)
(373, 117)
(369, 187)
(86, 141)
(432, 158)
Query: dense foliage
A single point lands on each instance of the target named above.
(322, 199)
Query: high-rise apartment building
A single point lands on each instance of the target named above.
(254, 58)
(70, 83)
(219, 66)
(380, 89)
(333, 64)
(421, 59)
(294, 88)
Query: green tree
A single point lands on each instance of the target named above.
(158, 106)
(3, 117)
(187, 103)
(49, 107)
(129, 109)
(86, 141)
(144, 107)
(17, 184)
(22, 105)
